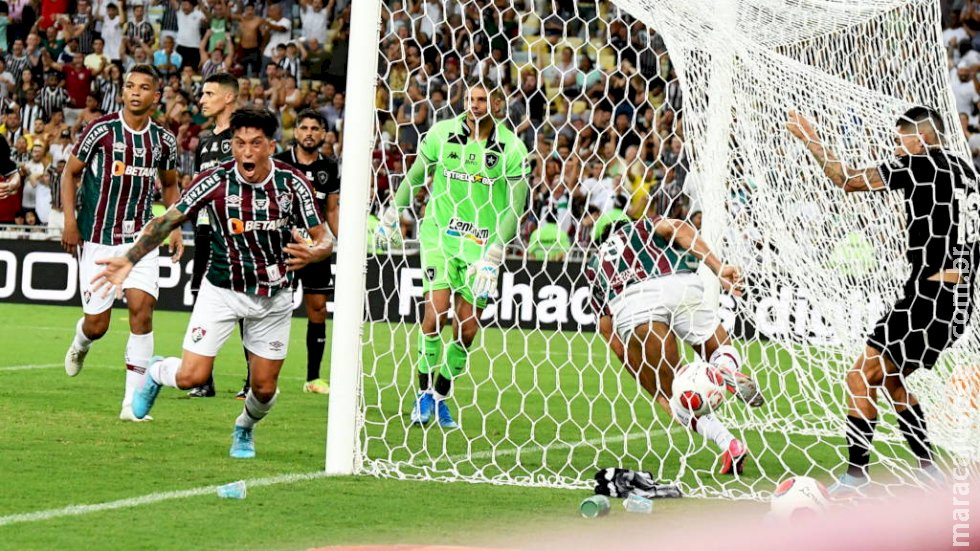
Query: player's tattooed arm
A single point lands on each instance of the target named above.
(154, 234)
(844, 177)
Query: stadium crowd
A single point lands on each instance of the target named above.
(590, 90)
(62, 64)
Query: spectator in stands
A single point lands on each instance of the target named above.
(56, 218)
(16, 61)
(78, 79)
(278, 28)
(189, 22)
(112, 33)
(82, 27)
(316, 59)
(219, 60)
(30, 111)
(53, 97)
(334, 112)
(97, 61)
(7, 83)
(336, 72)
(965, 87)
(219, 27)
(250, 41)
(11, 129)
(4, 22)
(110, 87)
(166, 60)
(88, 114)
(60, 148)
(313, 17)
(139, 31)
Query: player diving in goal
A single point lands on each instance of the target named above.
(479, 172)
(645, 293)
(942, 217)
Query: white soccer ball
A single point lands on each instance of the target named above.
(799, 497)
(698, 388)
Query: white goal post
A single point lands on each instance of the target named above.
(543, 402)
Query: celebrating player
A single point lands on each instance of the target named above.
(255, 200)
(219, 97)
(116, 162)
(646, 293)
(479, 173)
(942, 230)
(322, 172)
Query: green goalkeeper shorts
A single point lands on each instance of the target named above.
(443, 271)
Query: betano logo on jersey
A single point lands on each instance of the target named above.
(468, 178)
(467, 230)
(120, 168)
(237, 226)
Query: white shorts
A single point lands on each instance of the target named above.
(217, 312)
(677, 300)
(145, 275)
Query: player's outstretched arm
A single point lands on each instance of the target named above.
(685, 237)
(848, 179)
(71, 238)
(118, 267)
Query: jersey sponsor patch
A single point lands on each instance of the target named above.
(468, 178)
(237, 226)
(120, 168)
(467, 230)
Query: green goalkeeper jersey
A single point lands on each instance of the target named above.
(479, 188)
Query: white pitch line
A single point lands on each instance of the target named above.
(26, 367)
(76, 510)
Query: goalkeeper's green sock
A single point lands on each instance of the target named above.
(430, 355)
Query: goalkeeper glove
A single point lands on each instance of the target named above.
(486, 271)
(388, 233)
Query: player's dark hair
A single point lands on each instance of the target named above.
(145, 69)
(610, 229)
(920, 114)
(225, 80)
(251, 116)
(312, 114)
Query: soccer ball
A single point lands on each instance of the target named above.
(698, 388)
(798, 497)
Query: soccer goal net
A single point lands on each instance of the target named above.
(655, 107)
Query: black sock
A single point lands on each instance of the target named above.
(425, 380)
(913, 426)
(443, 385)
(210, 382)
(860, 433)
(316, 338)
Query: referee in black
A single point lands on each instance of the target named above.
(942, 209)
(219, 99)
(309, 135)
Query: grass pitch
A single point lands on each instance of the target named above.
(61, 444)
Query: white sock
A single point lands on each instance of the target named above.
(164, 372)
(81, 342)
(254, 410)
(706, 426)
(713, 430)
(727, 357)
(139, 348)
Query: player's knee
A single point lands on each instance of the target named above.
(190, 377)
(263, 389)
(467, 332)
(95, 327)
(141, 322)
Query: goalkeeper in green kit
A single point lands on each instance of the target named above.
(479, 172)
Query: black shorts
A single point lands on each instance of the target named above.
(317, 278)
(930, 316)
